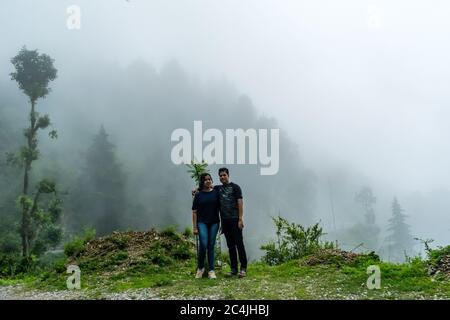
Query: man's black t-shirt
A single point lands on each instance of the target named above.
(207, 206)
(228, 197)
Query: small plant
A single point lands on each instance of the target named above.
(188, 232)
(293, 242)
(120, 242)
(170, 232)
(197, 169)
(120, 257)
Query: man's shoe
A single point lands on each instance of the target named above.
(199, 273)
(212, 275)
(233, 273)
(243, 273)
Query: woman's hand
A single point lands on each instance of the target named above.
(195, 230)
(241, 224)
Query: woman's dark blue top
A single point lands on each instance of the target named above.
(207, 206)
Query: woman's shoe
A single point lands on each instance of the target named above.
(243, 273)
(199, 273)
(212, 275)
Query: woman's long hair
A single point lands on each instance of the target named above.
(202, 181)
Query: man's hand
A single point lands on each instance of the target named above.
(241, 224)
(195, 230)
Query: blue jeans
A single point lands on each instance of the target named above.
(207, 233)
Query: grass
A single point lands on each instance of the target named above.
(291, 280)
(167, 266)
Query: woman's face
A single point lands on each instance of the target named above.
(208, 182)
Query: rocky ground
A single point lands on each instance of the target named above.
(18, 292)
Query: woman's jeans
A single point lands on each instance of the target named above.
(207, 233)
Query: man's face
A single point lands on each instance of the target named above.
(223, 177)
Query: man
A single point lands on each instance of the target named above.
(232, 218)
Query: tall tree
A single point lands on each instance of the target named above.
(33, 73)
(400, 241)
(100, 195)
(369, 230)
(366, 198)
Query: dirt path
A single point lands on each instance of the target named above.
(20, 293)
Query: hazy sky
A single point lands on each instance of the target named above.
(357, 82)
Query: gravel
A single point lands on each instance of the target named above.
(18, 292)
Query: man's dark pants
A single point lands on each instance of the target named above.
(233, 235)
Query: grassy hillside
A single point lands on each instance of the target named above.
(162, 265)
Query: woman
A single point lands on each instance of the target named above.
(205, 220)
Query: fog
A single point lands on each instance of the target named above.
(359, 90)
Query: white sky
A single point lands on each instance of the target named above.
(359, 82)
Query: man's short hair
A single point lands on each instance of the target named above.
(224, 170)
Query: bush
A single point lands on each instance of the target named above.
(77, 244)
(187, 232)
(171, 233)
(157, 255)
(293, 242)
(120, 242)
(119, 257)
(10, 264)
(439, 260)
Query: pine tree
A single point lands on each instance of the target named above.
(400, 241)
(100, 199)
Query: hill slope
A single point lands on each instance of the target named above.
(161, 265)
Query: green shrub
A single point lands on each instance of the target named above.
(182, 251)
(120, 242)
(10, 264)
(293, 242)
(157, 255)
(119, 257)
(188, 232)
(171, 233)
(77, 244)
(435, 256)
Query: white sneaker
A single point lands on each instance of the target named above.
(212, 275)
(199, 273)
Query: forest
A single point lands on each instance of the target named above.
(61, 206)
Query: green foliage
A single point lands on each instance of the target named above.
(181, 251)
(188, 232)
(38, 229)
(170, 232)
(157, 254)
(76, 246)
(436, 258)
(120, 257)
(10, 264)
(197, 169)
(43, 214)
(45, 186)
(293, 242)
(120, 242)
(34, 72)
(400, 240)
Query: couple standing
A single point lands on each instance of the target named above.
(208, 202)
